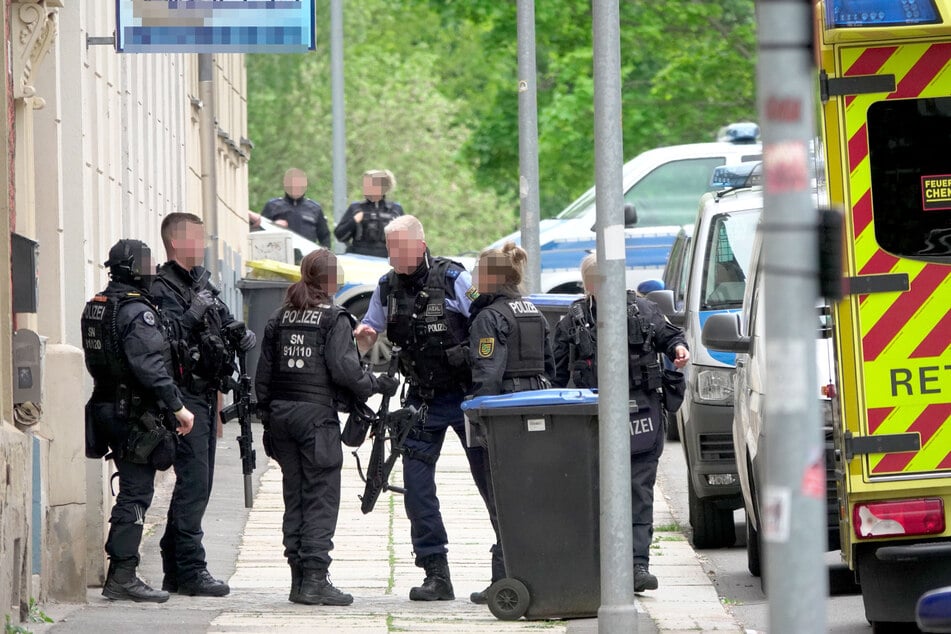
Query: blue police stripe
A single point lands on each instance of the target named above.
(641, 252)
(729, 358)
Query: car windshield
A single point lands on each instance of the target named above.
(727, 259)
(666, 196)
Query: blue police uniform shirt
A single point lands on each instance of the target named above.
(376, 317)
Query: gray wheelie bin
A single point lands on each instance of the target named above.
(261, 298)
(543, 455)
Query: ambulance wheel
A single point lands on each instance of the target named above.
(508, 599)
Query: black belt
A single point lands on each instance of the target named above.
(525, 383)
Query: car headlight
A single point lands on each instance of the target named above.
(715, 385)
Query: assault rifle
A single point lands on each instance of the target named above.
(241, 408)
(386, 425)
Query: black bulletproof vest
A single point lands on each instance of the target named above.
(526, 340)
(298, 365)
(102, 342)
(368, 236)
(419, 323)
(643, 367)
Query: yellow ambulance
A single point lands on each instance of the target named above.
(885, 86)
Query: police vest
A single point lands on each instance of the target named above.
(204, 353)
(368, 238)
(430, 337)
(298, 366)
(102, 343)
(526, 339)
(643, 368)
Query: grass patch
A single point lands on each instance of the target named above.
(673, 527)
(390, 627)
(728, 601)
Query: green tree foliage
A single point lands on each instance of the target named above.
(431, 90)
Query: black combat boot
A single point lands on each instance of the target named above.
(203, 585)
(498, 572)
(296, 576)
(643, 579)
(316, 589)
(123, 584)
(436, 586)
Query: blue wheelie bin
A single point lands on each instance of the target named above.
(543, 454)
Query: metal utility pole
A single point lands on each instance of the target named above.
(528, 144)
(792, 504)
(338, 113)
(617, 613)
(207, 129)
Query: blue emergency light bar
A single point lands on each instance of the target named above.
(862, 13)
(736, 176)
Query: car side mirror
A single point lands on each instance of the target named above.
(630, 215)
(722, 332)
(665, 303)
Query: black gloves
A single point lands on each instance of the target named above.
(387, 385)
(201, 302)
(248, 340)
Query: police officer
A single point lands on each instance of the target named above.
(649, 333)
(424, 306)
(362, 224)
(298, 213)
(128, 356)
(199, 323)
(509, 348)
(309, 362)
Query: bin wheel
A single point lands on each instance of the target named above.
(508, 599)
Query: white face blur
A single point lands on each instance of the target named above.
(189, 244)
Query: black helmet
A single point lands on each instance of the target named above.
(131, 261)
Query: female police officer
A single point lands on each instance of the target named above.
(649, 333)
(509, 348)
(308, 363)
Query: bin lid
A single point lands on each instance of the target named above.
(533, 398)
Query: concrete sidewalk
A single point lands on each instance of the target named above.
(373, 560)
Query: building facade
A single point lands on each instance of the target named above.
(100, 146)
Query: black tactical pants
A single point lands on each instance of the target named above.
(136, 486)
(305, 440)
(643, 477)
(183, 555)
(423, 447)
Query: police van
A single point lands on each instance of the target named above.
(661, 190)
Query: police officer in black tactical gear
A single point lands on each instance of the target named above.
(128, 356)
(509, 348)
(424, 306)
(300, 214)
(649, 333)
(309, 364)
(361, 226)
(198, 321)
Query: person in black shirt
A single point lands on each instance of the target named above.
(649, 334)
(509, 351)
(309, 363)
(197, 320)
(128, 356)
(294, 211)
(361, 226)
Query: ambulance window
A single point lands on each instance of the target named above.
(910, 162)
(669, 195)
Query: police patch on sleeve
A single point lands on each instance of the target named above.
(486, 347)
(472, 293)
(149, 317)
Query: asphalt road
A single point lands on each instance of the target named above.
(739, 590)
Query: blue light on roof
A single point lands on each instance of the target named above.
(859, 13)
(734, 176)
(739, 133)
